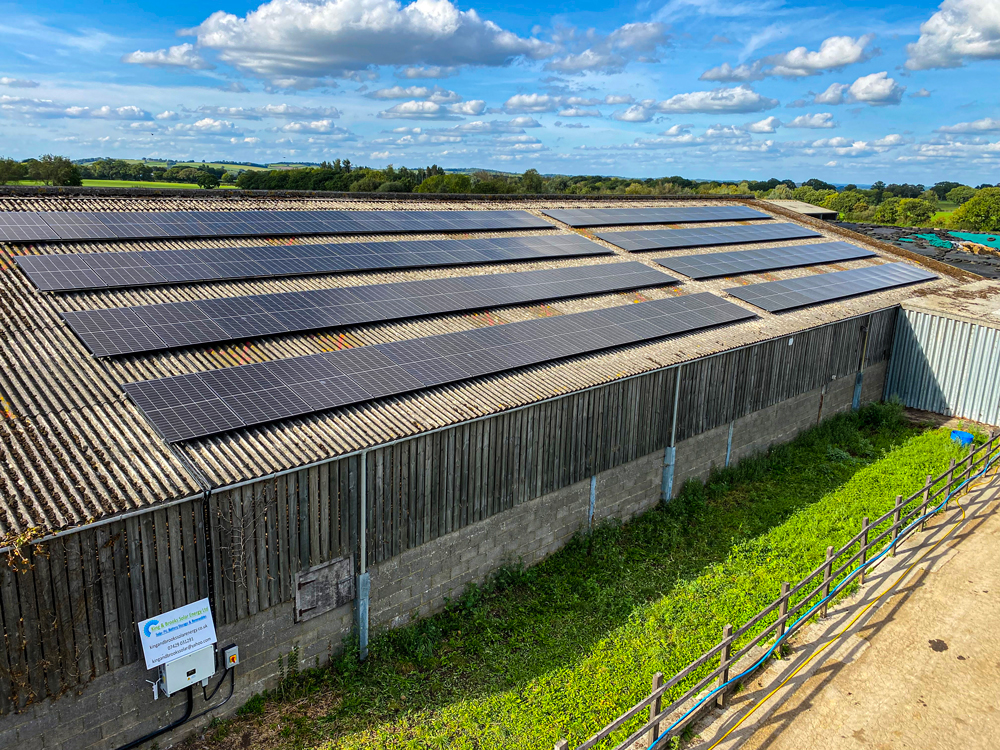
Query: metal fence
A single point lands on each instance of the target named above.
(710, 672)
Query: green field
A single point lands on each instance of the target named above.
(560, 649)
(128, 184)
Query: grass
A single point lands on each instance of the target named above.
(559, 649)
(127, 184)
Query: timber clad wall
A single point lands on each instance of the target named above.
(442, 509)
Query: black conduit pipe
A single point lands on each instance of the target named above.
(164, 730)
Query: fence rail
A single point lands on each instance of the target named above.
(838, 569)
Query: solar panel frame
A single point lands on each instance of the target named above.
(790, 294)
(738, 262)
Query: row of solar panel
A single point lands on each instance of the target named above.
(198, 405)
(736, 262)
(778, 296)
(130, 330)
(18, 226)
(153, 267)
(673, 239)
(608, 217)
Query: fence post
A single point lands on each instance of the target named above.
(654, 709)
(968, 470)
(724, 663)
(951, 479)
(895, 523)
(864, 549)
(925, 503)
(783, 609)
(562, 745)
(827, 573)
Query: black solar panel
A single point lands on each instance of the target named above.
(16, 226)
(777, 296)
(147, 328)
(609, 217)
(737, 262)
(208, 403)
(147, 268)
(672, 239)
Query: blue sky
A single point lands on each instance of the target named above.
(848, 92)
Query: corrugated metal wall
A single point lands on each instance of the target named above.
(947, 366)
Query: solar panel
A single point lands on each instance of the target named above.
(207, 403)
(148, 268)
(672, 239)
(132, 330)
(777, 296)
(737, 262)
(17, 226)
(608, 217)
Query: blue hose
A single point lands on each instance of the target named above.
(820, 603)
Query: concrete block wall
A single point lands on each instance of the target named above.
(118, 707)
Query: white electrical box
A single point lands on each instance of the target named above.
(195, 667)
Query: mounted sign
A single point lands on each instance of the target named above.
(177, 633)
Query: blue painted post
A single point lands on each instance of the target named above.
(670, 452)
(729, 443)
(364, 591)
(856, 403)
(593, 501)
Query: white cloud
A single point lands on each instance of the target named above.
(319, 127)
(767, 125)
(269, 110)
(235, 87)
(675, 130)
(18, 83)
(960, 31)
(847, 147)
(435, 94)
(818, 120)
(738, 99)
(834, 52)
(611, 53)
(635, 113)
(426, 110)
(305, 41)
(579, 112)
(47, 108)
(834, 94)
(619, 99)
(434, 71)
(876, 89)
(919, 94)
(206, 126)
(252, 140)
(168, 115)
(985, 125)
(179, 56)
(532, 103)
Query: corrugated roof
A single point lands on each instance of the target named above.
(74, 449)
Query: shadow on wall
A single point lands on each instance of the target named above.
(946, 366)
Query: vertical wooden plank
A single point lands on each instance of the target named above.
(14, 625)
(315, 520)
(414, 520)
(292, 504)
(133, 540)
(189, 557)
(231, 506)
(282, 539)
(7, 660)
(433, 471)
(47, 622)
(78, 608)
(27, 592)
(68, 673)
(220, 556)
(465, 516)
(151, 583)
(422, 525)
(200, 548)
(261, 557)
(161, 540)
(334, 468)
(106, 572)
(305, 543)
(475, 462)
(126, 617)
(323, 477)
(395, 497)
(376, 489)
(249, 523)
(353, 503)
(405, 517)
(95, 601)
(449, 485)
(272, 544)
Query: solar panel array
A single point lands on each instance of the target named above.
(777, 296)
(609, 217)
(131, 330)
(736, 262)
(152, 267)
(56, 226)
(673, 239)
(186, 407)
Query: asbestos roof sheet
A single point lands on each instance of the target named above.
(73, 449)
